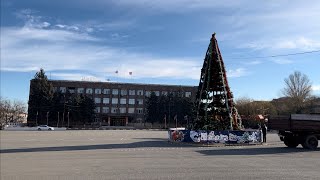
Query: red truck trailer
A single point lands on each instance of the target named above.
(297, 129)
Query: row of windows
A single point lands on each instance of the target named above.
(121, 110)
(116, 101)
(115, 91)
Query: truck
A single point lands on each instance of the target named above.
(297, 129)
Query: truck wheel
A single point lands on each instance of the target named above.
(311, 142)
(290, 142)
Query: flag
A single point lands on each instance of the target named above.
(130, 73)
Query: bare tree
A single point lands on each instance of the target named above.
(13, 112)
(5, 108)
(247, 107)
(298, 90)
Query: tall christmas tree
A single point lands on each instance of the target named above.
(215, 109)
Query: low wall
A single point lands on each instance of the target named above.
(215, 137)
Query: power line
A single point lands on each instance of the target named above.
(279, 55)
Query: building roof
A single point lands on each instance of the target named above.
(118, 83)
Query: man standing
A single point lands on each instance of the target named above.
(264, 133)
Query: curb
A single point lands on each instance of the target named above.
(115, 129)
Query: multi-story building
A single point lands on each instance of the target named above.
(120, 103)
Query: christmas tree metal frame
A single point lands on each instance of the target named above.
(215, 109)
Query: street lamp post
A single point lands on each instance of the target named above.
(37, 119)
(58, 119)
(47, 117)
(169, 111)
(68, 119)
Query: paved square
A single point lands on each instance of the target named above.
(142, 154)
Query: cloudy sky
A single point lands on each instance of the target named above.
(160, 42)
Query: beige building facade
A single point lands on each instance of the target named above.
(117, 104)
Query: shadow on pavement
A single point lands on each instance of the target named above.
(142, 144)
(253, 151)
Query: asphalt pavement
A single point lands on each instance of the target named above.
(142, 154)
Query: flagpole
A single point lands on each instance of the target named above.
(165, 121)
(117, 72)
(176, 120)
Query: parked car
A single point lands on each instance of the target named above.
(44, 127)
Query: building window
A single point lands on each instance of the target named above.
(179, 94)
(131, 101)
(89, 90)
(157, 93)
(164, 93)
(55, 89)
(105, 109)
(123, 110)
(97, 91)
(106, 91)
(132, 92)
(71, 90)
(115, 91)
(106, 100)
(97, 110)
(139, 101)
(80, 90)
(97, 100)
(140, 110)
(63, 89)
(123, 101)
(148, 93)
(140, 92)
(114, 110)
(123, 92)
(188, 94)
(131, 110)
(114, 100)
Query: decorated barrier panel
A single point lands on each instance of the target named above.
(215, 137)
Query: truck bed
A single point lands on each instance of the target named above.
(295, 122)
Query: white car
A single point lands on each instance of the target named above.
(44, 127)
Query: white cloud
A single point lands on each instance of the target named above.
(239, 72)
(60, 25)
(22, 35)
(28, 49)
(255, 62)
(282, 61)
(300, 43)
(177, 5)
(316, 87)
(75, 76)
